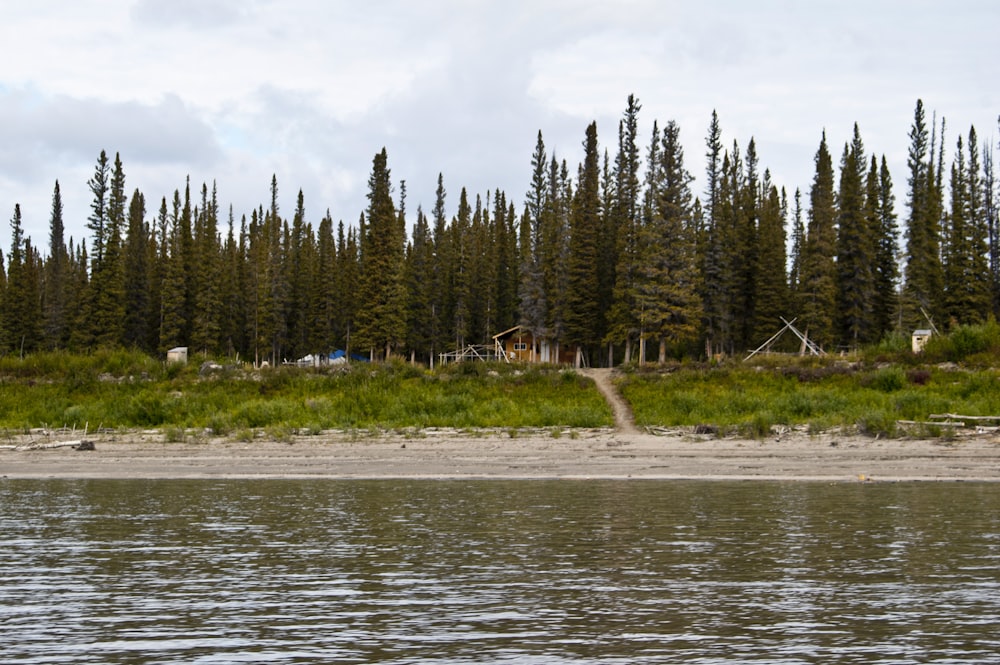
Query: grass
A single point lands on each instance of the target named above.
(130, 391)
(870, 393)
(753, 400)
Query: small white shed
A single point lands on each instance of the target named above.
(178, 354)
(919, 339)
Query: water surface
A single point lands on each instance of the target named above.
(210, 571)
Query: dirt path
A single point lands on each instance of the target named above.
(624, 422)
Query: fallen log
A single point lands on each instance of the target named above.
(79, 444)
(924, 422)
(956, 416)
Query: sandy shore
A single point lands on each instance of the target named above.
(538, 454)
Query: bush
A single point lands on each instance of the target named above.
(886, 380)
(877, 423)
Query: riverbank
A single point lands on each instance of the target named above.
(516, 454)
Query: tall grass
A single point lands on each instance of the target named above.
(752, 400)
(130, 392)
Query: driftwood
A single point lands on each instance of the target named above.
(923, 422)
(79, 444)
(956, 416)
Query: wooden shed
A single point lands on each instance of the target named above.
(177, 354)
(919, 339)
(519, 344)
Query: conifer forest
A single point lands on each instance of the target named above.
(622, 257)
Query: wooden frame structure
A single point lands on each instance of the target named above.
(807, 345)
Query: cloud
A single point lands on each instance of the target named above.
(37, 129)
(196, 14)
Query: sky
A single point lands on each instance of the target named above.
(235, 91)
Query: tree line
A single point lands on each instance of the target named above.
(618, 259)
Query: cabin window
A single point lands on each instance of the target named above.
(520, 346)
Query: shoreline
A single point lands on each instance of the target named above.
(533, 455)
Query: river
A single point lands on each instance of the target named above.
(327, 571)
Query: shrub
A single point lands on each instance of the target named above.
(877, 423)
(886, 380)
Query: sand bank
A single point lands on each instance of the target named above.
(580, 454)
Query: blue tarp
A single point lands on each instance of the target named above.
(340, 353)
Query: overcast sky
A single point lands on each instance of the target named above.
(309, 90)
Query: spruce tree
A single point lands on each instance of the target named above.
(992, 219)
(965, 270)
(623, 325)
(531, 291)
(55, 306)
(97, 220)
(460, 286)
(583, 279)
(819, 270)
(21, 322)
(381, 319)
(442, 301)
(207, 280)
(713, 245)
(798, 245)
(855, 279)
(978, 281)
(881, 206)
(747, 211)
(923, 290)
(173, 312)
(772, 300)
(137, 282)
(107, 312)
(420, 311)
(667, 290)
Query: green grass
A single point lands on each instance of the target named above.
(880, 386)
(61, 390)
(752, 400)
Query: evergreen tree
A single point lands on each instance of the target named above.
(159, 251)
(531, 291)
(713, 245)
(173, 312)
(461, 271)
(107, 312)
(348, 279)
(819, 270)
(55, 306)
(855, 278)
(667, 291)
(772, 301)
(21, 322)
(992, 215)
(381, 318)
(622, 326)
(442, 301)
(97, 220)
(923, 258)
(205, 319)
(420, 312)
(583, 315)
(505, 277)
(798, 245)
(978, 281)
(746, 248)
(554, 253)
(322, 294)
(234, 286)
(137, 278)
(965, 271)
(881, 204)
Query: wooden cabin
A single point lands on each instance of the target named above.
(521, 345)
